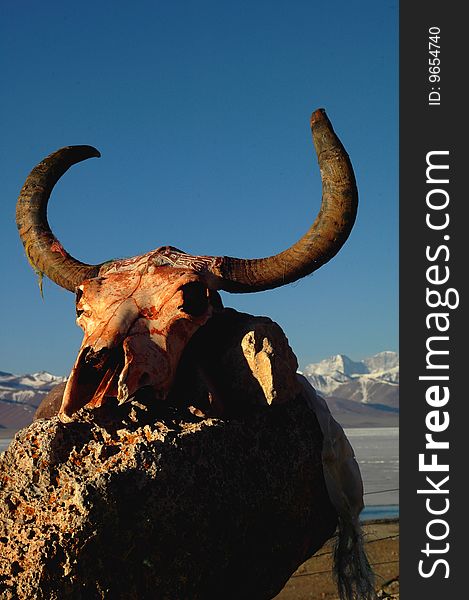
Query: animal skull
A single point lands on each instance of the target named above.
(137, 319)
(138, 314)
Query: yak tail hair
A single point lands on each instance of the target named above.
(353, 573)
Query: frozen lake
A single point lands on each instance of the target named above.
(377, 452)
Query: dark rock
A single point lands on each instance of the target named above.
(119, 505)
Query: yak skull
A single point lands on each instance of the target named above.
(137, 319)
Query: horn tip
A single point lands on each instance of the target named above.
(81, 152)
(70, 155)
(92, 152)
(318, 116)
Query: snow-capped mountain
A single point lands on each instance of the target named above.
(20, 395)
(331, 374)
(373, 383)
(338, 365)
(383, 361)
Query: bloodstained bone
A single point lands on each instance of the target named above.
(136, 324)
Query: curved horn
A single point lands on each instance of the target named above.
(43, 249)
(324, 238)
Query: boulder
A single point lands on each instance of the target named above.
(118, 505)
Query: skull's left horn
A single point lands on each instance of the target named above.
(43, 249)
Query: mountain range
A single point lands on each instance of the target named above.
(359, 393)
(20, 395)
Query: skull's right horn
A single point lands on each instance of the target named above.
(325, 237)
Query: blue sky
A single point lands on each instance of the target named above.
(201, 113)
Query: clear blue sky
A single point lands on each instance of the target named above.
(201, 113)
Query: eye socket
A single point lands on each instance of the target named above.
(195, 299)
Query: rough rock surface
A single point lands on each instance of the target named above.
(118, 505)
